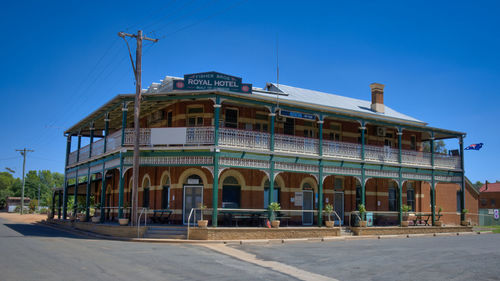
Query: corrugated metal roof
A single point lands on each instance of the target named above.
(492, 187)
(335, 101)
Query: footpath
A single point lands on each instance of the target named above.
(40, 220)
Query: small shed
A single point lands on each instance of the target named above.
(13, 202)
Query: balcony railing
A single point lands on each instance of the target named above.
(197, 136)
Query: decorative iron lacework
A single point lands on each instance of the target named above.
(71, 174)
(112, 163)
(414, 176)
(341, 170)
(166, 160)
(378, 173)
(448, 178)
(260, 164)
(96, 169)
(296, 167)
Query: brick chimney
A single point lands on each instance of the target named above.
(377, 97)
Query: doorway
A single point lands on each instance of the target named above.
(338, 206)
(307, 205)
(193, 197)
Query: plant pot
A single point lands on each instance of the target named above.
(438, 223)
(82, 218)
(202, 223)
(329, 223)
(405, 223)
(363, 223)
(123, 222)
(72, 218)
(464, 223)
(96, 219)
(275, 224)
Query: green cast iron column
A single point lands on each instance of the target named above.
(87, 199)
(65, 199)
(215, 182)
(462, 164)
(59, 203)
(65, 192)
(79, 145)
(106, 132)
(271, 129)
(75, 200)
(400, 185)
(363, 128)
(91, 139)
(320, 172)
(433, 183)
(68, 150)
(271, 162)
(103, 191)
(400, 145)
(400, 180)
(124, 122)
(120, 190)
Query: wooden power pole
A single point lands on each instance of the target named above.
(137, 110)
(23, 153)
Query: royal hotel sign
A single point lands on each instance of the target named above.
(212, 81)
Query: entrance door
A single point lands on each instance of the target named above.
(307, 204)
(193, 197)
(338, 206)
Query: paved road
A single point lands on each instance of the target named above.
(471, 257)
(33, 252)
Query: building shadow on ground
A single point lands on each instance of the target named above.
(41, 231)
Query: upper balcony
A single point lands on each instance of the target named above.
(260, 142)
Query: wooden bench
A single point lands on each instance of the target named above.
(161, 216)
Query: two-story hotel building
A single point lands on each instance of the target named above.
(230, 145)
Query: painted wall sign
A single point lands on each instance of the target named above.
(294, 114)
(298, 198)
(211, 81)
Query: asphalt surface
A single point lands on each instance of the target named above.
(36, 252)
(468, 257)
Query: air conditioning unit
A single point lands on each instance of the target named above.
(381, 131)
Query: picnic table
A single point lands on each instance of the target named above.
(161, 216)
(424, 218)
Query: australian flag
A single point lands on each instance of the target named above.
(475, 146)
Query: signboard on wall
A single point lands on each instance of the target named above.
(496, 215)
(212, 81)
(295, 114)
(298, 199)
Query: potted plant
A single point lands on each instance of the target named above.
(464, 222)
(202, 223)
(274, 207)
(81, 213)
(362, 212)
(329, 211)
(124, 221)
(438, 222)
(405, 209)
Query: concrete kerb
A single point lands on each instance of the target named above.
(258, 241)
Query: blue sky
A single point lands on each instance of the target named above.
(439, 61)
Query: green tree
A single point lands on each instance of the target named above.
(45, 180)
(439, 147)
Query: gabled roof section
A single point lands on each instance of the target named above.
(490, 187)
(335, 102)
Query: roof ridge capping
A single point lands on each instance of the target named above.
(344, 103)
